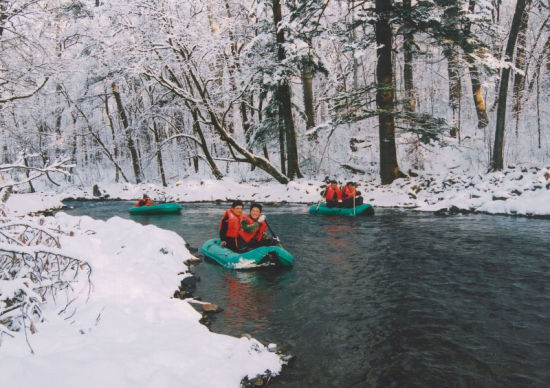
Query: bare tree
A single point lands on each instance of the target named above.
(408, 45)
(497, 162)
(389, 169)
(284, 98)
(129, 137)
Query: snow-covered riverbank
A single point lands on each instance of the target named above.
(124, 329)
(519, 191)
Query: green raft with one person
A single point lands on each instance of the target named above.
(161, 208)
(269, 256)
(361, 210)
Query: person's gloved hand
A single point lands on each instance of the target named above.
(261, 218)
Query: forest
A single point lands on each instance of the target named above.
(140, 91)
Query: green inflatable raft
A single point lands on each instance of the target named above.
(273, 256)
(361, 210)
(162, 208)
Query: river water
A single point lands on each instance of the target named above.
(403, 298)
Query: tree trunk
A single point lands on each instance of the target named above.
(520, 64)
(204, 146)
(130, 141)
(307, 87)
(74, 149)
(389, 169)
(495, 11)
(235, 66)
(159, 153)
(538, 113)
(455, 85)
(284, 98)
(3, 15)
(497, 162)
(112, 126)
(282, 143)
(408, 44)
(355, 65)
(28, 174)
(477, 91)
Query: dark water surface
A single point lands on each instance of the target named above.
(399, 299)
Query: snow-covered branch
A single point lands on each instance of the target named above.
(60, 166)
(20, 97)
(33, 269)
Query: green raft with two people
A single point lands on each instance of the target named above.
(160, 209)
(265, 256)
(345, 201)
(364, 209)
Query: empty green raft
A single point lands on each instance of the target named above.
(273, 256)
(163, 208)
(361, 210)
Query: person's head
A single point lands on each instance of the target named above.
(350, 184)
(255, 211)
(333, 183)
(145, 196)
(237, 207)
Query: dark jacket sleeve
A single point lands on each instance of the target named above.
(223, 229)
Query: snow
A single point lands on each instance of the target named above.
(128, 331)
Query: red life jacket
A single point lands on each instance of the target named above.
(349, 192)
(233, 224)
(329, 196)
(144, 202)
(257, 234)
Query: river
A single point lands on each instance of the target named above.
(403, 298)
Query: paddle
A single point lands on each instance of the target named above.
(272, 232)
(319, 204)
(322, 198)
(354, 205)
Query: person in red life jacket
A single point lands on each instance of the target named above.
(144, 201)
(333, 195)
(230, 226)
(253, 232)
(349, 193)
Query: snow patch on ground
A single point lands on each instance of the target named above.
(126, 330)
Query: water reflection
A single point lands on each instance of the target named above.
(248, 301)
